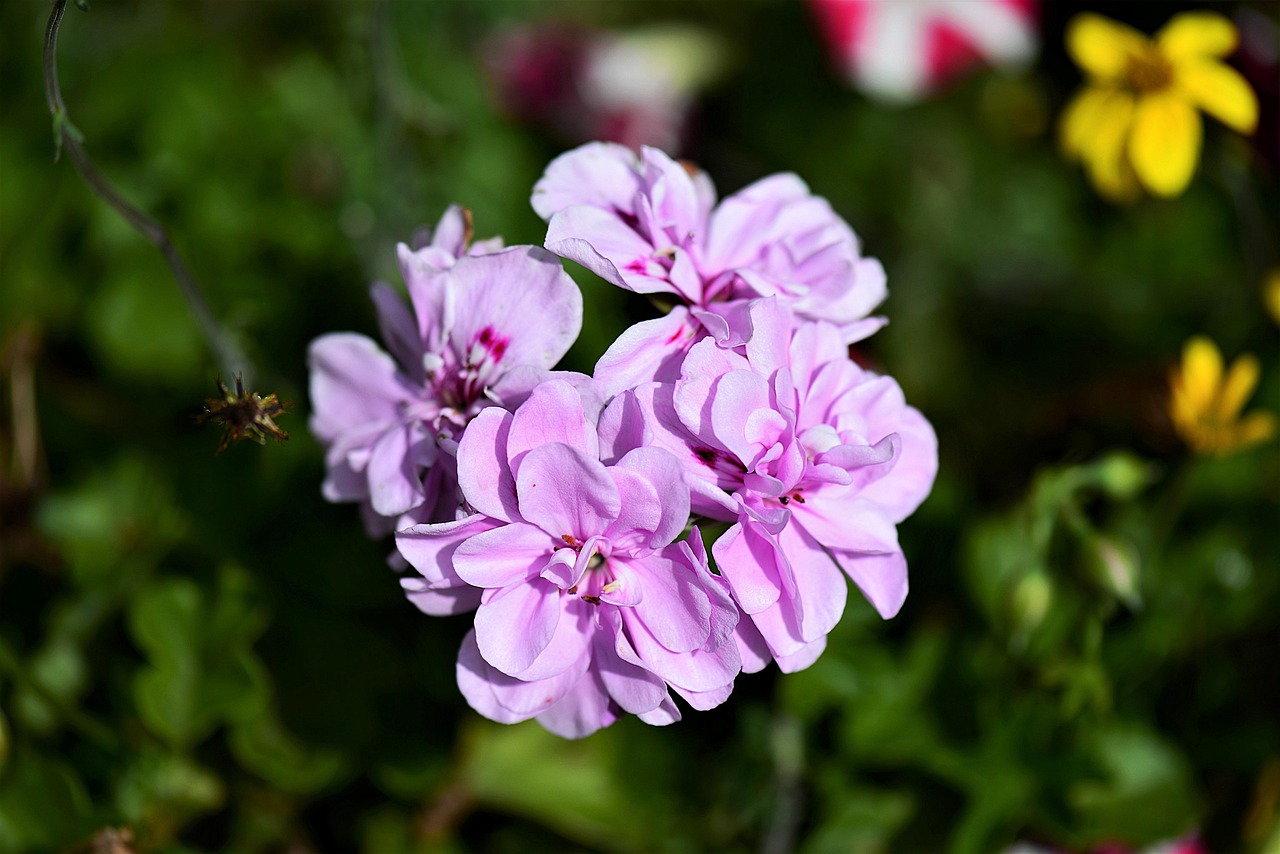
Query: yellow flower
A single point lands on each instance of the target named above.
(1205, 406)
(1135, 124)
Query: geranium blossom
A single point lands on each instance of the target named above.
(588, 608)
(389, 421)
(651, 225)
(1136, 123)
(902, 50)
(812, 458)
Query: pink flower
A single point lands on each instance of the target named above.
(651, 225)
(812, 458)
(902, 50)
(588, 608)
(390, 421)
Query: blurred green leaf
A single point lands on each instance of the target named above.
(43, 804)
(202, 671)
(160, 792)
(262, 745)
(570, 786)
(1145, 794)
(864, 820)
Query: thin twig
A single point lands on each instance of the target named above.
(232, 361)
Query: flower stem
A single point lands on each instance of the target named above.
(231, 360)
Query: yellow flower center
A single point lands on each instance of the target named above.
(1148, 71)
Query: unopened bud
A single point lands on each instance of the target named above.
(1122, 475)
(1115, 564)
(1030, 602)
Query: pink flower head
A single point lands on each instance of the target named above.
(902, 50)
(481, 321)
(813, 459)
(652, 225)
(588, 608)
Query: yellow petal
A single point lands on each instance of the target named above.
(1165, 144)
(1220, 91)
(1101, 46)
(1197, 34)
(1255, 427)
(1182, 409)
(1241, 380)
(1103, 150)
(1201, 373)
(1081, 119)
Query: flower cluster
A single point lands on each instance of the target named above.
(565, 509)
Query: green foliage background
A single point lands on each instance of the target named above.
(200, 649)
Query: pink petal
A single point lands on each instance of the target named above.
(677, 202)
(483, 473)
(675, 608)
(608, 247)
(507, 700)
(440, 602)
(451, 233)
(902, 490)
(704, 365)
(649, 351)
(425, 276)
(399, 329)
(514, 628)
(664, 715)
(634, 688)
(812, 346)
(865, 544)
(749, 562)
(882, 578)
(521, 301)
(475, 680)
(821, 589)
(569, 646)
(839, 519)
(753, 650)
(430, 549)
(769, 347)
(803, 657)
(736, 397)
(601, 174)
(704, 700)
(655, 502)
(353, 383)
(698, 670)
(503, 556)
(582, 710)
(553, 413)
(395, 472)
(733, 237)
(565, 492)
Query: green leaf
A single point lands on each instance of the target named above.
(163, 791)
(266, 748)
(1145, 793)
(202, 671)
(865, 820)
(43, 804)
(570, 786)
